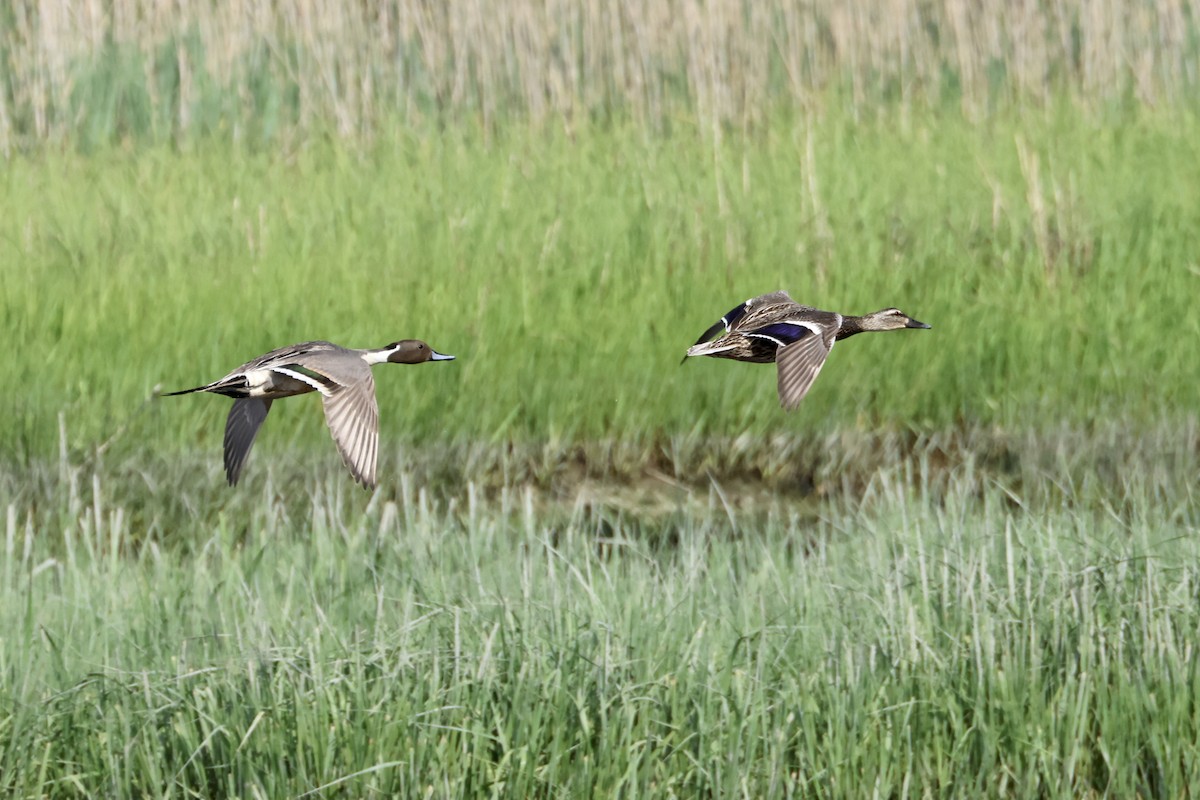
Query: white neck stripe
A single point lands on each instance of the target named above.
(378, 356)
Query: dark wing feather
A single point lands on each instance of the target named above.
(245, 418)
(785, 333)
(353, 418)
(724, 323)
(711, 332)
(734, 315)
(799, 365)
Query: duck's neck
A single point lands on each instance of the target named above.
(377, 356)
(850, 326)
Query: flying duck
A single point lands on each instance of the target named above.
(775, 328)
(340, 374)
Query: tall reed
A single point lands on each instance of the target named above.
(104, 70)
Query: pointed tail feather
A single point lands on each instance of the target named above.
(236, 387)
(182, 391)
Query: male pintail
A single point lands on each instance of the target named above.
(341, 375)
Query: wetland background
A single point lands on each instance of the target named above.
(967, 565)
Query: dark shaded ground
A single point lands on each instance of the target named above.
(1099, 469)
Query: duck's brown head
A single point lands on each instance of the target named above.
(414, 351)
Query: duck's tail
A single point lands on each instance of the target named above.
(721, 345)
(182, 391)
(235, 386)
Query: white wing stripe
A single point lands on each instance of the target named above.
(767, 337)
(812, 326)
(300, 376)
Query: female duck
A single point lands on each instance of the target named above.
(341, 375)
(774, 327)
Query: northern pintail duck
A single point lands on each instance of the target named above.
(340, 374)
(774, 327)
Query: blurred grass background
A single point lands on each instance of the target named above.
(565, 195)
(1055, 258)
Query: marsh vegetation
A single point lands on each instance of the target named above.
(966, 565)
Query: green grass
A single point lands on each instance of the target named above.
(965, 566)
(913, 640)
(570, 275)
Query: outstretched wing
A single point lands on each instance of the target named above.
(800, 362)
(353, 418)
(245, 418)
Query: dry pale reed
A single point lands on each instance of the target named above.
(349, 66)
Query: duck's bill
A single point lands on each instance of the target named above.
(443, 357)
(912, 323)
